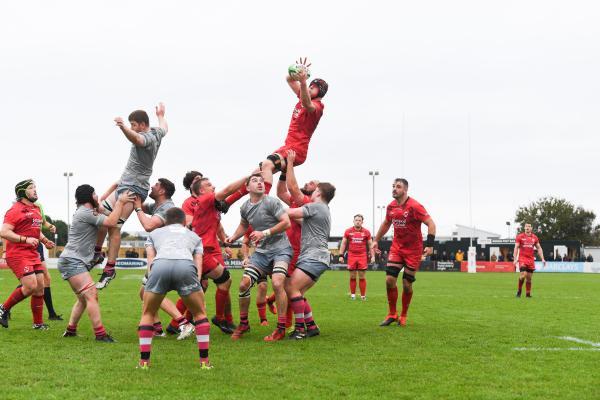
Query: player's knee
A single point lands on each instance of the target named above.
(223, 281)
(390, 282)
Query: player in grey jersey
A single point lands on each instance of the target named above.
(75, 261)
(145, 143)
(272, 256)
(174, 263)
(314, 253)
(161, 192)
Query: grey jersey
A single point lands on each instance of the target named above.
(161, 210)
(316, 226)
(82, 234)
(264, 215)
(141, 159)
(174, 242)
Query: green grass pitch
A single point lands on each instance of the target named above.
(460, 343)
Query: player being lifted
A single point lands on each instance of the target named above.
(305, 118)
(145, 143)
(525, 245)
(407, 215)
(174, 263)
(22, 230)
(272, 256)
(74, 263)
(359, 242)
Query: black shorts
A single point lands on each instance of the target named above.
(527, 269)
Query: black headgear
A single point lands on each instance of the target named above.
(21, 187)
(322, 85)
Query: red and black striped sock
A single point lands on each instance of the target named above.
(528, 288)
(281, 319)
(158, 328)
(308, 316)
(244, 319)
(72, 329)
(297, 305)
(101, 332)
(145, 334)
(202, 329)
(392, 295)
(182, 321)
(110, 267)
(262, 310)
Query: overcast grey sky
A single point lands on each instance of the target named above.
(525, 73)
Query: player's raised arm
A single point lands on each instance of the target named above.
(292, 183)
(129, 133)
(160, 113)
(305, 92)
(282, 190)
(229, 189)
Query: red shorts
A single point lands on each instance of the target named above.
(211, 259)
(22, 267)
(292, 265)
(527, 265)
(410, 258)
(357, 263)
(300, 154)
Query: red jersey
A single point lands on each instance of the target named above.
(302, 127)
(357, 241)
(189, 205)
(527, 245)
(248, 232)
(206, 221)
(27, 222)
(407, 219)
(294, 232)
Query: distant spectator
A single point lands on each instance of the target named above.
(510, 256)
(444, 256)
(481, 256)
(451, 256)
(550, 257)
(589, 258)
(494, 258)
(500, 258)
(460, 256)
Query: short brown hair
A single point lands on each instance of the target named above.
(139, 116)
(402, 181)
(327, 191)
(359, 215)
(189, 177)
(175, 215)
(168, 187)
(258, 175)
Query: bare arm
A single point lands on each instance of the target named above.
(229, 189)
(240, 230)
(281, 226)
(131, 135)
(108, 192)
(150, 254)
(245, 248)
(113, 219)
(7, 233)
(149, 223)
(221, 233)
(385, 226)
(283, 193)
(295, 213)
(516, 253)
(160, 113)
(540, 252)
(428, 250)
(371, 250)
(343, 248)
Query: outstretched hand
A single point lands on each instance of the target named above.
(160, 110)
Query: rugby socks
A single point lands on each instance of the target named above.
(48, 301)
(37, 309)
(202, 329)
(289, 316)
(228, 315)
(297, 304)
(262, 310)
(158, 328)
(244, 319)
(352, 286)
(110, 267)
(221, 298)
(521, 280)
(72, 329)
(392, 295)
(281, 319)
(15, 297)
(406, 298)
(99, 331)
(528, 288)
(145, 334)
(362, 283)
(271, 298)
(308, 316)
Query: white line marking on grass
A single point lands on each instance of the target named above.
(580, 341)
(133, 277)
(556, 349)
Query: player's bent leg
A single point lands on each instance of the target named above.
(79, 284)
(392, 271)
(151, 305)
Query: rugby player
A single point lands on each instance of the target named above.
(407, 215)
(174, 263)
(75, 261)
(22, 230)
(526, 243)
(358, 241)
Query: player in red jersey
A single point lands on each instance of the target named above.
(359, 242)
(525, 245)
(305, 118)
(22, 229)
(261, 284)
(407, 215)
(206, 223)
